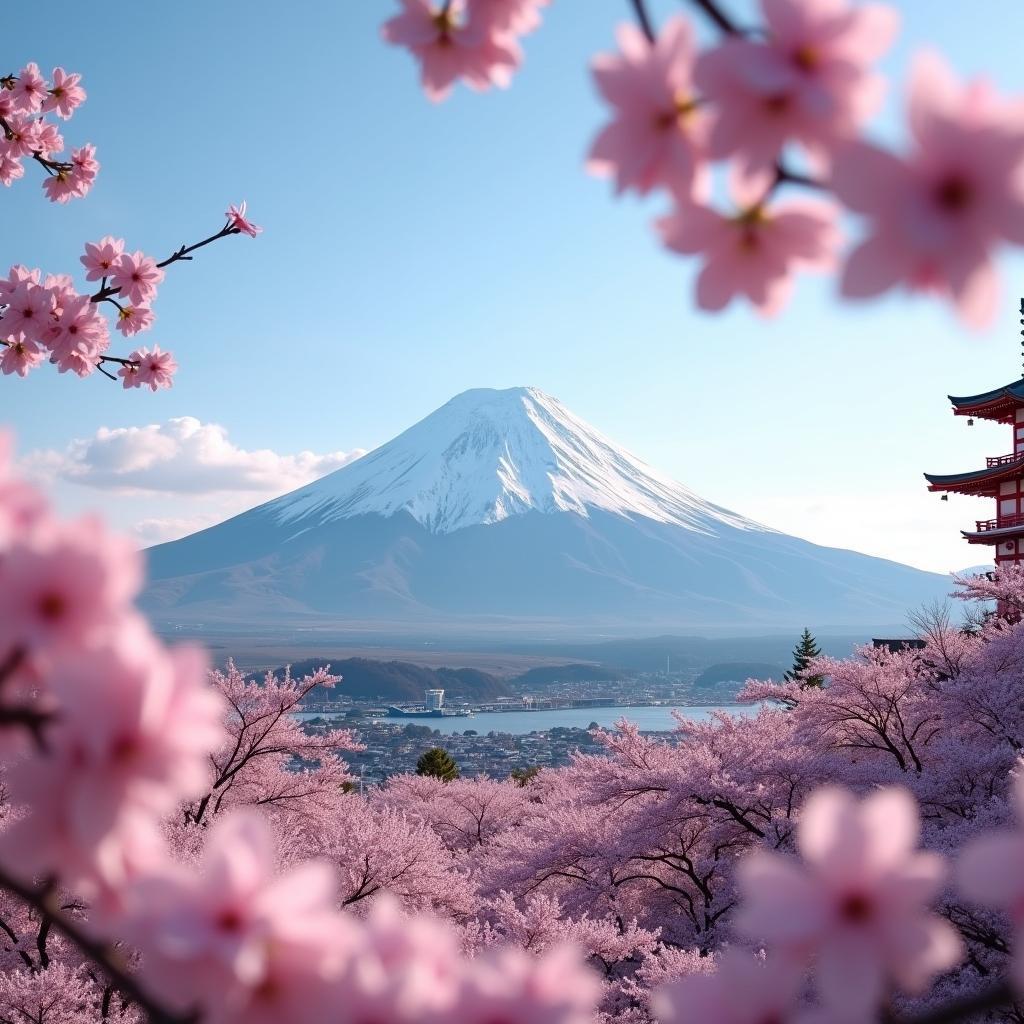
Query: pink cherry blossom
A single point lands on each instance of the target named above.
(451, 45)
(64, 586)
(24, 137)
(21, 506)
(937, 215)
(510, 985)
(64, 94)
(405, 969)
(133, 319)
(11, 169)
(130, 741)
(30, 89)
(79, 328)
(137, 276)
(29, 311)
(20, 355)
(49, 140)
(100, 256)
(989, 873)
(237, 937)
(809, 82)
(237, 219)
(744, 990)
(18, 274)
(150, 367)
(754, 253)
(656, 136)
(861, 902)
(516, 16)
(75, 183)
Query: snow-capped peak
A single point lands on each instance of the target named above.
(487, 455)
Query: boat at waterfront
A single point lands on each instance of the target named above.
(418, 711)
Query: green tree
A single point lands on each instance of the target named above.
(439, 763)
(524, 776)
(803, 654)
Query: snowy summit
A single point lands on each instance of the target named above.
(487, 455)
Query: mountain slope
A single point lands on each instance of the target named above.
(502, 509)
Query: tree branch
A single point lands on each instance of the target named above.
(42, 900)
(107, 291)
(718, 16)
(644, 20)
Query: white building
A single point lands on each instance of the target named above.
(434, 699)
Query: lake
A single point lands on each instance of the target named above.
(519, 722)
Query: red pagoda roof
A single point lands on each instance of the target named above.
(984, 482)
(1000, 404)
(993, 531)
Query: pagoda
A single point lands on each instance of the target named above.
(1003, 475)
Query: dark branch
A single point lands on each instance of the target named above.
(43, 900)
(718, 16)
(644, 20)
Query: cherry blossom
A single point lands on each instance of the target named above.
(65, 93)
(237, 219)
(134, 319)
(743, 990)
(755, 252)
(20, 355)
(809, 82)
(64, 586)
(234, 935)
(937, 215)
(657, 134)
(99, 257)
(148, 367)
(860, 904)
(30, 88)
(989, 873)
(130, 742)
(137, 276)
(518, 17)
(452, 45)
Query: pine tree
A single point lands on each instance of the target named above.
(524, 776)
(439, 763)
(803, 654)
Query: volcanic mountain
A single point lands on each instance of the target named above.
(503, 509)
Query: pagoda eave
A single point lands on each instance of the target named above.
(981, 482)
(1000, 405)
(992, 537)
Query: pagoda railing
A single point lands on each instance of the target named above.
(1003, 460)
(984, 525)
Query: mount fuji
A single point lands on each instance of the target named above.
(500, 511)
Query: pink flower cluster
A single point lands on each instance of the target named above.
(47, 316)
(475, 41)
(122, 726)
(124, 735)
(803, 90)
(857, 909)
(25, 100)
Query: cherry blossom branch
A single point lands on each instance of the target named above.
(644, 19)
(105, 293)
(43, 900)
(50, 166)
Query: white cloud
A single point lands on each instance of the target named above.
(181, 457)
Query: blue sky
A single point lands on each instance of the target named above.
(412, 251)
